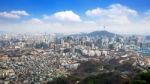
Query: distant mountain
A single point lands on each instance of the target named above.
(97, 33)
(101, 33)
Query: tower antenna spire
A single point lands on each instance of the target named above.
(104, 28)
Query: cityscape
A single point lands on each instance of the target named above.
(74, 42)
(28, 58)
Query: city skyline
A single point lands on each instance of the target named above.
(120, 16)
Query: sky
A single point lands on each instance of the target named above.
(73, 16)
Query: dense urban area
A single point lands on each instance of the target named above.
(99, 57)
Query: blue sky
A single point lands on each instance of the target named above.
(83, 15)
(38, 7)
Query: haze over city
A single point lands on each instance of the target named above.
(74, 41)
(73, 16)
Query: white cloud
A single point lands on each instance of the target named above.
(115, 13)
(8, 15)
(95, 12)
(147, 16)
(34, 21)
(13, 14)
(114, 9)
(67, 16)
(121, 10)
(147, 12)
(46, 17)
(22, 13)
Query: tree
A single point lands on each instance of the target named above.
(111, 46)
(142, 78)
(106, 78)
(88, 67)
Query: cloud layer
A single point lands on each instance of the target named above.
(13, 14)
(116, 17)
(67, 16)
(115, 13)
